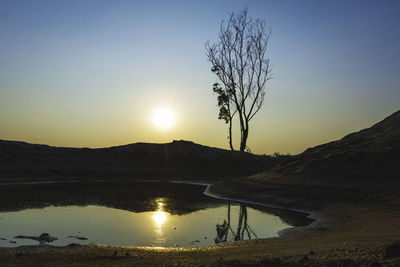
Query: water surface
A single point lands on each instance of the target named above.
(128, 213)
(116, 227)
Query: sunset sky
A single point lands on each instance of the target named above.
(95, 73)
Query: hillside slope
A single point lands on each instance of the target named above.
(363, 168)
(370, 153)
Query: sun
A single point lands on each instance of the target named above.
(163, 118)
(159, 217)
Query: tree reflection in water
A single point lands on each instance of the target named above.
(243, 231)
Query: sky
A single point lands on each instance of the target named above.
(93, 73)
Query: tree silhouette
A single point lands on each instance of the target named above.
(243, 227)
(239, 61)
(225, 112)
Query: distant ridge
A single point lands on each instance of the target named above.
(370, 153)
(175, 159)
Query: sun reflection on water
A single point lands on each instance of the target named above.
(160, 216)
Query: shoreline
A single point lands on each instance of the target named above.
(292, 227)
(208, 192)
(307, 213)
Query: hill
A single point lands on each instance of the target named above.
(370, 153)
(362, 168)
(139, 160)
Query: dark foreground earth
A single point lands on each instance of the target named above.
(350, 186)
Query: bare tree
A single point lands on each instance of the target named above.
(243, 227)
(239, 60)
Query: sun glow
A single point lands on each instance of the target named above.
(159, 217)
(163, 118)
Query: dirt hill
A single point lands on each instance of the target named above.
(363, 168)
(370, 153)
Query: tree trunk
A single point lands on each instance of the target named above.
(243, 141)
(229, 220)
(244, 221)
(230, 134)
(229, 213)
(237, 237)
(242, 130)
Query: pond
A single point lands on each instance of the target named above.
(170, 215)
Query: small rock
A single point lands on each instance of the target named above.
(347, 263)
(73, 245)
(234, 263)
(375, 264)
(42, 238)
(393, 250)
(269, 262)
(77, 237)
(46, 237)
(205, 237)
